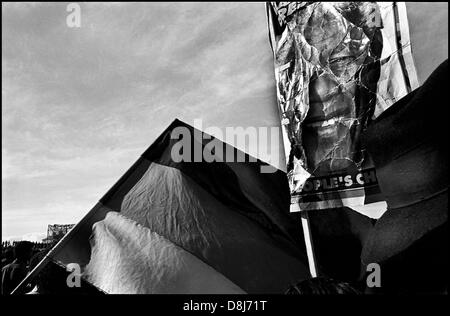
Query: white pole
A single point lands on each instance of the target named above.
(308, 243)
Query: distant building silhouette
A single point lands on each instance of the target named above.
(56, 231)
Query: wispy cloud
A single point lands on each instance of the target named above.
(79, 105)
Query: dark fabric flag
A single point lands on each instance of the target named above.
(231, 217)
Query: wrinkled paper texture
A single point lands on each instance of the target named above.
(338, 65)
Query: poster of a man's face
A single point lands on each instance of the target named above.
(328, 64)
(341, 90)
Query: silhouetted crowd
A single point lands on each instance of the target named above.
(18, 259)
(8, 250)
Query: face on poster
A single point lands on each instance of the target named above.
(337, 64)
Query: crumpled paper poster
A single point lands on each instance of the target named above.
(338, 65)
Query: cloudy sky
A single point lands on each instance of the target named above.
(79, 105)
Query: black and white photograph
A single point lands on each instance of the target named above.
(266, 149)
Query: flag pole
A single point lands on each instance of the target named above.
(60, 244)
(19, 289)
(309, 243)
(38, 268)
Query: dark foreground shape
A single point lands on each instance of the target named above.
(409, 145)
